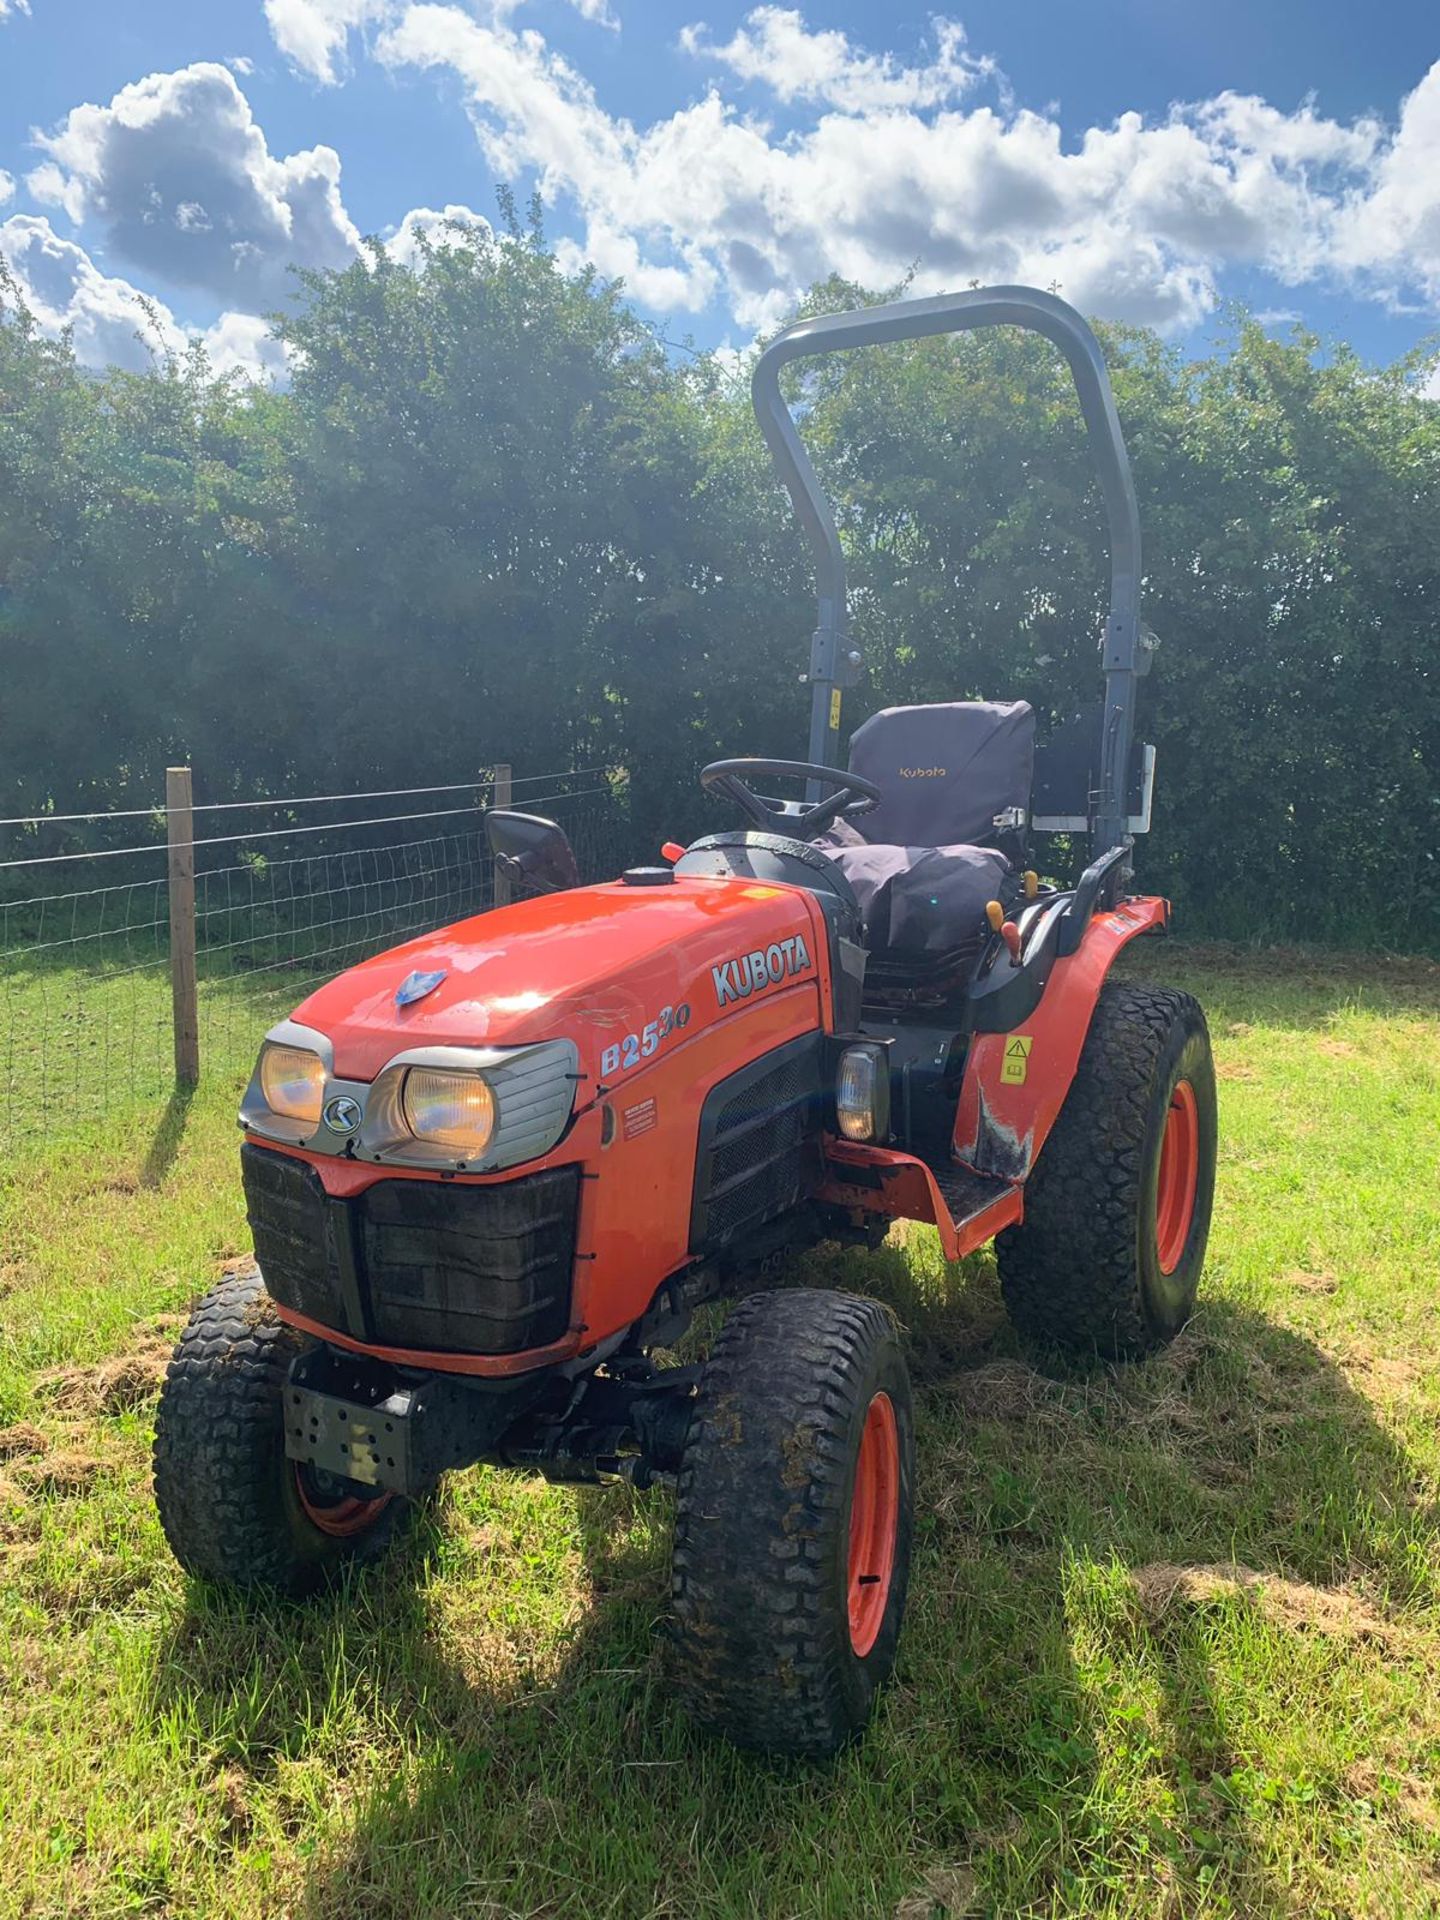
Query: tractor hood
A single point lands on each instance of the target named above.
(596, 965)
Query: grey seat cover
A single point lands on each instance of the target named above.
(945, 771)
(919, 862)
(920, 899)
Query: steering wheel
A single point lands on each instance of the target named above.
(851, 795)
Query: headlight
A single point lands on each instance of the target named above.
(292, 1079)
(862, 1093)
(455, 1110)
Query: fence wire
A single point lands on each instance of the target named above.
(85, 996)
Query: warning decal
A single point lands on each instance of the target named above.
(1017, 1059)
(834, 706)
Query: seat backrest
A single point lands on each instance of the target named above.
(945, 771)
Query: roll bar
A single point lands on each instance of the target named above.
(832, 664)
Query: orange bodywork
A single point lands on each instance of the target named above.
(604, 969)
(592, 968)
(910, 1192)
(1009, 1099)
(618, 958)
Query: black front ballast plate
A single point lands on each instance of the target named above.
(363, 1420)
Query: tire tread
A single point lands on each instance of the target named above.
(218, 1455)
(760, 1646)
(1069, 1272)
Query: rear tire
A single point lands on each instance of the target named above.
(1117, 1210)
(793, 1522)
(233, 1507)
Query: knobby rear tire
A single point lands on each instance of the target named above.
(1084, 1268)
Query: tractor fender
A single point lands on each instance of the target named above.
(1015, 1083)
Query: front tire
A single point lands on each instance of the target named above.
(794, 1518)
(233, 1507)
(1117, 1210)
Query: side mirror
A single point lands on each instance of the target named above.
(530, 851)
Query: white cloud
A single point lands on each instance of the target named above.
(531, 109)
(887, 166)
(64, 288)
(735, 364)
(9, 9)
(1391, 233)
(314, 35)
(241, 65)
(1430, 386)
(180, 180)
(242, 343)
(775, 48)
(52, 187)
(112, 324)
(403, 244)
(664, 289)
(7, 186)
(896, 169)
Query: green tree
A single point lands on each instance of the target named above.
(492, 518)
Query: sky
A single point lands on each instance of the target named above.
(1150, 160)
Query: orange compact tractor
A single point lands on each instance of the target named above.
(491, 1172)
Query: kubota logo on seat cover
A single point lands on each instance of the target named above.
(747, 973)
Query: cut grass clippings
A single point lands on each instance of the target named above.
(1172, 1643)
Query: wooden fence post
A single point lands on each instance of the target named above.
(500, 793)
(184, 998)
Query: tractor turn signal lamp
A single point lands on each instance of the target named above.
(862, 1094)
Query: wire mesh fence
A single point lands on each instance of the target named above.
(85, 988)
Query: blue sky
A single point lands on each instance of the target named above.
(1151, 160)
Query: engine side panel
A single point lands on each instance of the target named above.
(636, 1218)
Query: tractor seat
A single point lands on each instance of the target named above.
(924, 861)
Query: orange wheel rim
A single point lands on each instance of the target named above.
(1179, 1176)
(343, 1517)
(874, 1523)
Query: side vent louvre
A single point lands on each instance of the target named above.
(756, 1130)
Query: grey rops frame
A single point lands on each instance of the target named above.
(832, 664)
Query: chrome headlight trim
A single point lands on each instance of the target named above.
(534, 1089)
(256, 1114)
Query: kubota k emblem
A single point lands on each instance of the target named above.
(747, 973)
(343, 1114)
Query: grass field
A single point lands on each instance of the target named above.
(1173, 1646)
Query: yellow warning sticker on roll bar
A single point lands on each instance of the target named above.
(834, 707)
(1017, 1059)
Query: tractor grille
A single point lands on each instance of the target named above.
(418, 1263)
(755, 1133)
